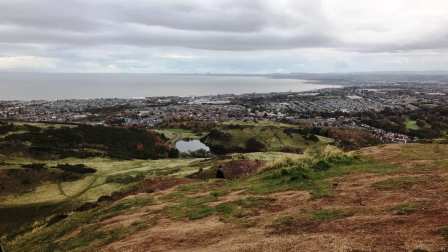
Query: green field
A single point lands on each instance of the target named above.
(275, 138)
(93, 186)
(53, 197)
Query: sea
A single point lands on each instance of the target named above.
(58, 86)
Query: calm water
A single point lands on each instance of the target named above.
(191, 145)
(27, 86)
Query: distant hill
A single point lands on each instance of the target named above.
(83, 141)
(254, 138)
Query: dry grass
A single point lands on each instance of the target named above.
(403, 214)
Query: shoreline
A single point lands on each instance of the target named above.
(136, 87)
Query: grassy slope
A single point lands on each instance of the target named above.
(93, 186)
(50, 198)
(390, 188)
(270, 134)
(338, 205)
(55, 197)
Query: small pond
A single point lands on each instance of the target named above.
(186, 146)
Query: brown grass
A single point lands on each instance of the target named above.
(370, 226)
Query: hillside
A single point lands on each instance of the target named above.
(240, 137)
(50, 142)
(381, 198)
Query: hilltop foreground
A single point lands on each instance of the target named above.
(382, 198)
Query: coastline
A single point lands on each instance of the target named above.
(28, 87)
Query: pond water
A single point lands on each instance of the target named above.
(190, 146)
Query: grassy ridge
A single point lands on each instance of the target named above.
(53, 197)
(92, 186)
(259, 137)
(84, 141)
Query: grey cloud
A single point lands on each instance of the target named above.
(150, 36)
(86, 33)
(49, 15)
(230, 16)
(227, 25)
(218, 25)
(435, 41)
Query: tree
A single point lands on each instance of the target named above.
(253, 145)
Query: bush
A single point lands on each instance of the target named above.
(69, 176)
(119, 143)
(219, 135)
(405, 209)
(35, 166)
(341, 160)
(322, 165)
(329, 215)
(173, 153)
(79, 168)
(6, 128)
(443, 231)
(284, 224)
(294, 174)
(253, 145)
(292, 150)
(124, 179)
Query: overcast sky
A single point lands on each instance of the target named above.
(225, 36)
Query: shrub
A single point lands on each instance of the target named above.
(6, 128)
(296, 150)
(35, 166)
(253, 145)
(329, 215)
(124, 179)
(402, 183)
(200, 212)
(322, 165)
(405, 209)
(443, 231)
(69, 176)
(226, 209)
(284, 221)
(219, 135)
(291, 174)
(173, 153)
(119, 143)
(79, 168)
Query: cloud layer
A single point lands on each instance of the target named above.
(223, 35)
